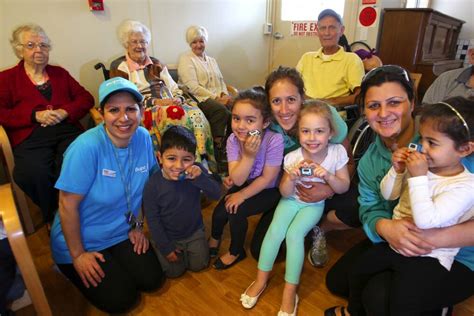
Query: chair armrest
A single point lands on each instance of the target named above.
(17, 240)
(232, 90)
(7, 152)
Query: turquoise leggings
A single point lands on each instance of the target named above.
(292, 220)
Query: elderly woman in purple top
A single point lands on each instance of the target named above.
(255, 155)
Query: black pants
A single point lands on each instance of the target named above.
(428, 292)
(38, 162)
(7, 272)
(126, 274)
(345, 205)
(218, 116)
(262, 202)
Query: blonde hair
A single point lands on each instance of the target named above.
(194, 32)
(128, 27)
(17, 35)
(320, 108)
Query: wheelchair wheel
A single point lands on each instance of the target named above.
(360, 45)
(360, 136)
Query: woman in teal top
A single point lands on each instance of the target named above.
(388, 100)
(97, 239)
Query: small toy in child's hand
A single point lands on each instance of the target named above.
(306, 171)
(254, 133)
(182, 175)
(414, 147)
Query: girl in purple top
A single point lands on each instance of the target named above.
(254, 154)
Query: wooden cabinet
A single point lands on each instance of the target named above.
(420, 40)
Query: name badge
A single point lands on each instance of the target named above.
(109, 173)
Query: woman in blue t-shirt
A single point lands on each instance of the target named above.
(97, 239)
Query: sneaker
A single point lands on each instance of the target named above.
(318, 254)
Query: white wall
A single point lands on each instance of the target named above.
(460, 9)
(82, 38)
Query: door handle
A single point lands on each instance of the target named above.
(278, 35)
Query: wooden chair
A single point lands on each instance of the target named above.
(6, 155)
(95, 116)
(416, 77)
(17, 240)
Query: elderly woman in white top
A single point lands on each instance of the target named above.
(202, 76)
(164, 101)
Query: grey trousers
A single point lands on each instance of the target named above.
(194, 255)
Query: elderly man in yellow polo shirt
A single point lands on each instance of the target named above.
(331, 73)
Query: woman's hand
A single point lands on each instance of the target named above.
(50, 117)
(399, 158)
(228, 183)
(417, 164)
(232, 202)
(139, 241)
(311, 192)
(251, 146)
(167, 102)
(173, 256)
(224, 99)
(403, 236)
(88, 268)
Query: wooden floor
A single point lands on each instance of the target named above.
(209, 292)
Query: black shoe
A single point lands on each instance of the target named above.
(332, 311)
(219, 265)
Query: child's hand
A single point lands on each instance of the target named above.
(228, 183)
(232, 202)
(320, 172)
(193, 172)
(417, 164)
(294, 173)
(173, 256)
(251, 146)
(399, 158)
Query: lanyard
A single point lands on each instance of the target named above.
(126, 181)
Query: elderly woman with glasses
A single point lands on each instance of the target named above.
(387, 99)
(40, 109)
(164, 101)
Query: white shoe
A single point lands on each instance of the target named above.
(249, 301)
(282, 313)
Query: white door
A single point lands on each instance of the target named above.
(286, 49)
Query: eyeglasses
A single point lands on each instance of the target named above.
(392, 69)
(136, 42)
(31, 46)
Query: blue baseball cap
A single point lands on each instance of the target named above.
(330, 12)
(118, 84)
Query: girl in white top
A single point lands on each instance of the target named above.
(434, 187)
(316, 160)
